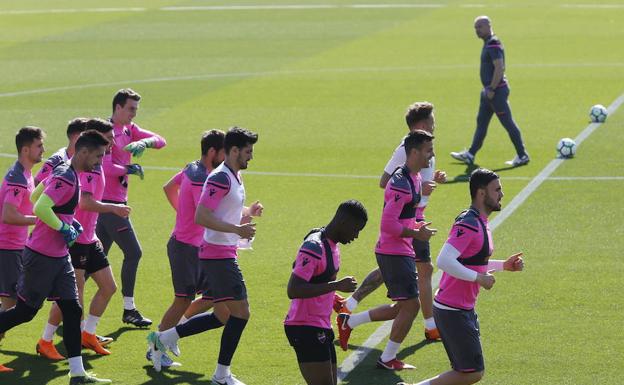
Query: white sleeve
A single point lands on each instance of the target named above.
(398, 159)
(447, 261)
(496, 265)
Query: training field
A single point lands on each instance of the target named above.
(326, 84)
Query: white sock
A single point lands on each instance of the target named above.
(392, 348)
(430, 323)
(75, 366)
(129, 303)
(222, 371)
(91, 324)
(182, 320)
(356, 320)
(48, 332)
(169, 337)
(351, 303)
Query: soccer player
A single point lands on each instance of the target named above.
(395, 252)
(419, 116)
(494, 97)
(74, 128)
(183, 191)
(87, 255)
(220, 211)
(47, 270)
(130, 140)
(311, 288)
(465, 260)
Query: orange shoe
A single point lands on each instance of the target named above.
(89, 341)
(394, 364)
(432, 334)
(48, 350)
(4, 369)
(344, 330)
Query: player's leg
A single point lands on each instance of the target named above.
(198, 306)
(503, 112)
(315, 352)
(10, 267)
(424, 268)
(184, 271)
(372, 281)
(318, 373)
(483, 120)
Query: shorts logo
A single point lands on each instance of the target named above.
(460, 232)
(321, 337)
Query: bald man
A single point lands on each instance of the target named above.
(494, 97)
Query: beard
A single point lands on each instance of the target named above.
(492, 204)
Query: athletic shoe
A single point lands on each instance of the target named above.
(463, 156)
(175, 349)
(518, 160)
(48, 350)
(344, 330)
(135, 318)
(156, 350)
(165, 360)
(338, 302)
(89, 341)
(88, 378)
(4, 369)
(229, 380)
(393, 364)
(432, 334)
(104, 341)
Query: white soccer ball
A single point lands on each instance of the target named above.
(566, 148)
(598, 113)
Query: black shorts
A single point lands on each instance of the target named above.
(221, 280)
(184, 265)
(89, 257)
(10, 268)
(311, 344)
(399, 275)
(422, 249)
(459, 330)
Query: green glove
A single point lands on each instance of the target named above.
(137, 148)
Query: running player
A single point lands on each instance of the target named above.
(74, 128)
(47, 270)
(87, 255)
(183, 191)
(465, 260)
(419, 116)
(395, 252)
(311, 288)
(220, 211)
(130, 140)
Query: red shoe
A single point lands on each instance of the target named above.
(48, 350)
(432, 334)
(394, 364)
(4, 369)
(344, 331)
(338, 301)
(89, 341)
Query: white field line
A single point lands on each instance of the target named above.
(294, 73)
(358, 356)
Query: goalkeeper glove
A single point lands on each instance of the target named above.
(69, 233)
(135, 169)
(137, 148)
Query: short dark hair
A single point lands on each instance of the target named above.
(76, 126)
(417, 112)
(91, 140)
(212, 139)
(480, 178)
(416, 139)
(100, 125)
(239, 137)
(354, 210)
(123, 95)
(26, 135)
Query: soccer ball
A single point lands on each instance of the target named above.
(598, 113)
(566, 148)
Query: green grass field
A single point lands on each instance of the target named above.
(326, 88)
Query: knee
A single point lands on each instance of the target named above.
(71, 309)
(109, 290)
(474, 377)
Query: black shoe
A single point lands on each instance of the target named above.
(135, 318)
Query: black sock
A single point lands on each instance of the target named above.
(198, 324)
(19, 314)
(71, 326)
(229, 339)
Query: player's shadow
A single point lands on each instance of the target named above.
(28, 368)
(175, 376)
(463, 178)
(408, 351)
(368, 373)
(114, 335)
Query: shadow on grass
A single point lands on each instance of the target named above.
(175, 376)
(463, 178)
(31, 369)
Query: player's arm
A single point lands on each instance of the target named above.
(254, 210)
(205, 217)
(499, 72)
(300, 288)
(89, 203)
(143, 139)
(447, 262)
(385, 178)
(513, 263)
(12, 216)
(396, 161)
(172, 189)
(390, 223)
(111, 168)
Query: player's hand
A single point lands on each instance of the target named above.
(121, 210)
(489, 94)
(256, 208)
(428, 187)
(135, 169)
(247, 230)
(514, 263)
(69, 233)
(486, 280)
(423, 233)
(76, 225)
(346, 285)
(439, 176)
